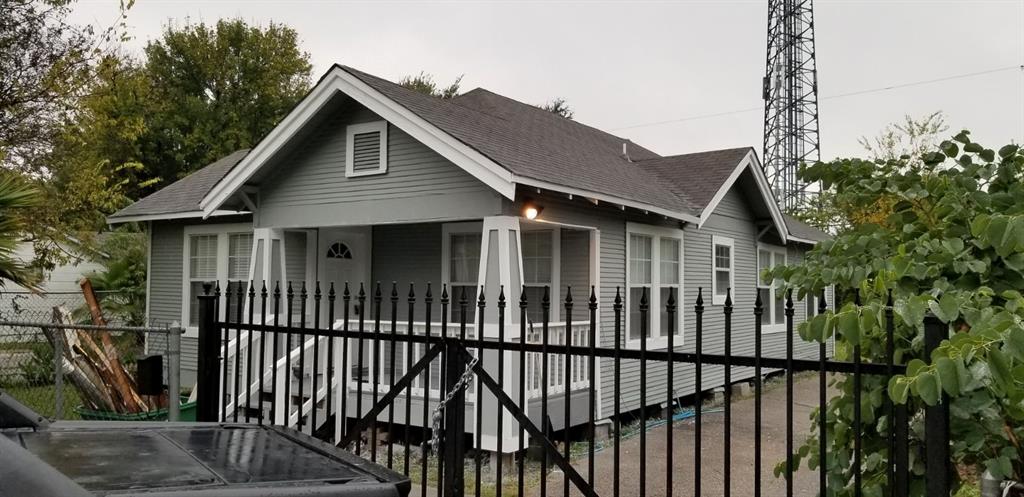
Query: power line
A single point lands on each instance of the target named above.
(830, 97)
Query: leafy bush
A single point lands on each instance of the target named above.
(949, 239)
(38, 370)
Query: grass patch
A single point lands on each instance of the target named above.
(43, 399)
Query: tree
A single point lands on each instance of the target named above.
(216, 89)
(425, 84)
(45, 65)
(952, 243)
(908, 141)
(559, 107)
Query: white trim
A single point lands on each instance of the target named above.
(380, 127)
(173, 215)
(339, 80)
(656, 233)
(749, 162)
(802, 240)
(149, 282)
(598, 197)
(769, 326)
(222, 230)
(717, 299)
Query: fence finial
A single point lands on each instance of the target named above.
(412, 292)
(789, 302)
(444, 293)
(481, 301)
(316, 291)
(430, 294)
(501, 296)
(568, 297)
(700, 299)
(522, 298)
(593, 297)
(330, 293)
(728, 299)
(618, 298)
(758, 304)
(394, 291)
(888, 300)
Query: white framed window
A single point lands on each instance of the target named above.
(541, 250)
(366, 149)
(773, 298)
(214, 254)
(460, 265)
(723, 261)
(655, 266)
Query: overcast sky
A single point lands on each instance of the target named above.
(624, 64)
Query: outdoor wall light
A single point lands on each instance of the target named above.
(531, 211)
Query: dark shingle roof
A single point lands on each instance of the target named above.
(183, 195)
(533, 143)
(697, 176)
(803, 230)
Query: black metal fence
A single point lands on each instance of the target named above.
(420, 390)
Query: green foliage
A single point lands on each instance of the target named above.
(952, 244)
(124, 276)
(560, 107)
(15, 198)
(38, 369)
(425, 84)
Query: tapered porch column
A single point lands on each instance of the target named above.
(267, 261)
(500, 267)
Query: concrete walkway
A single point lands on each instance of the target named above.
(773, 444)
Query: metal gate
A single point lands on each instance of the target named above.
(290, 362)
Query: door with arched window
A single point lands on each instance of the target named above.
(344, 256)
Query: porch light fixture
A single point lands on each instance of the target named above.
(531, 211)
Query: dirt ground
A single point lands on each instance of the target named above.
(773, 444)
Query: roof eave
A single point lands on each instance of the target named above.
(115, 219)
(681, 216)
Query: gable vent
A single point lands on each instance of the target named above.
(367, 149)
(366, 152)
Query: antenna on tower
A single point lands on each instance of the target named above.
(790, 99)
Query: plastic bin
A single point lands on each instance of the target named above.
(187, 412)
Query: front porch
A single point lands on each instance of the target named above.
(426, 280)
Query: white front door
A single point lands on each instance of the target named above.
(344, 256)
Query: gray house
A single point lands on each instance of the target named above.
(367, 181)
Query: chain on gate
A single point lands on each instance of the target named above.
(462, 384)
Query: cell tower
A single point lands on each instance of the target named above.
(790, 99)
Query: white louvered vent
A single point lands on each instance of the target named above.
(366, 150)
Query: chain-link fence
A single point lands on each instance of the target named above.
(45, 339)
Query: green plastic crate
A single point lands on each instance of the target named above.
(187, 413)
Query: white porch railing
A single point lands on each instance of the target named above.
(579, 377)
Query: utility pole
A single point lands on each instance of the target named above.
(790, 92)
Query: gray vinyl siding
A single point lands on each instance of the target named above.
(165, 289)
(408, 254)
(575, 261)
(308, 186)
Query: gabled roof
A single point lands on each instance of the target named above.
(500, 141)
(181, 198)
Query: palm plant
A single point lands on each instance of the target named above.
(15, 197)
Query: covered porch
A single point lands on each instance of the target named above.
(499, 254)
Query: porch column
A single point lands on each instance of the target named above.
(267, 261)
(500, 267)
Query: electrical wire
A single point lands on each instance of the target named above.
(832, 97)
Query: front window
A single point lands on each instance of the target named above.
(655, 268)
(723, 258)
(772, 297)
(463, 271)
(217, 258)
(538, 271)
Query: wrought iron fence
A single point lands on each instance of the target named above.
(522, 394)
